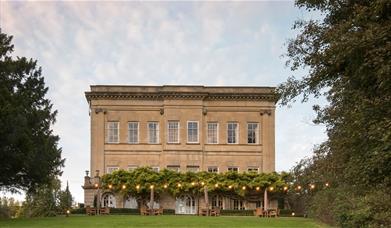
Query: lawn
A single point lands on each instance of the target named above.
(159, 221)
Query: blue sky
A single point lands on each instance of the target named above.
(157, 43)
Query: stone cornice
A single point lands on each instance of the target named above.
(180, 93)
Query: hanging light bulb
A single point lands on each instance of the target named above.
(179, 185)
(151, 187)
(312, 186)
(244, 187)
(110, 186)
(230, 186)
(202, 183)
(271, 188)
(299, 187)
(257, 188)
(327, 184)
(123, 186)
(216, 185)
(137, 187)
(285, 188)
(192, 183)
(165, 186)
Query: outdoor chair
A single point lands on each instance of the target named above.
(104, 211)
(259, 212)
(144, 211)
(204, 211)
(159, 211)
(215, 212)
(90, 210)
(273, 212)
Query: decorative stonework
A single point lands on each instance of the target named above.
(182, 93)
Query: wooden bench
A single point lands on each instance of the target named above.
(104, 211)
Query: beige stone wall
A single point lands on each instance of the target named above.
(143, 104)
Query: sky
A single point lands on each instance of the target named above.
(79, 44)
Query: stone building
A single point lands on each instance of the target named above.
(183, 128)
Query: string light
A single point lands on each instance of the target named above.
(216, 185)
(271, 188)
(165, 186)
(299, 187)
(202, 183)
(192, 183)
(96, 185)
(327, 184)
(285, 188)
(312, 186)
(244, 187)
(138, 187)
(110, 186)
(293, 213)
(230, 186)
(123, 186)
(179, 185)
(151, 187)
(257, 188)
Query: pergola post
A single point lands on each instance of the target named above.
(206, 199)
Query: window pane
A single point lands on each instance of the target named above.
(192, 168)
(173, 132)
(153, 132)
(175, 168)
(213, 169)
(232, 132)
(112, 169)
(233, 169)
(112, 130)
(252, 133)
(192, 132)
(212, 133)
(133, 132)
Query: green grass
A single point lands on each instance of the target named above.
(159, 221)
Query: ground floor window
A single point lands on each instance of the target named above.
(217, 201)
(108, 200)
(131, 202)
(185, 204)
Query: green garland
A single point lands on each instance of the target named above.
(138, 183)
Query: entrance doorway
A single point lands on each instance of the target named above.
(185, 204)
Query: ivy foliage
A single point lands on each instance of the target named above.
(138, 182)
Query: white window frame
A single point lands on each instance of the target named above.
(256, 133)
(253, 169)
(233, 167)
(157, 132)
(132, 167)
(177, 168)
(156, 168)
(198, 131)
(168, 131)
(236, 133)
(111, 169)
(109, 139)
(213, 168)
(138, 132)
(217, 133)
(193, 166)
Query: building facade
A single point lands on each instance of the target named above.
(183, 128)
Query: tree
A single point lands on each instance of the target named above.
(347, 54)
(65, 200)
(29, 152)
(42, 200)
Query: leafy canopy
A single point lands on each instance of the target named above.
(347, 55)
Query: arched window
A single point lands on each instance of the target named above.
(108, 200)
